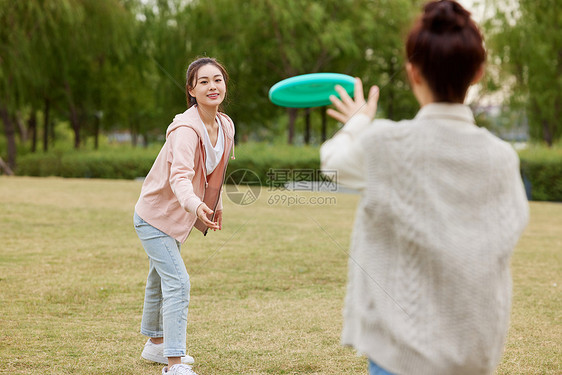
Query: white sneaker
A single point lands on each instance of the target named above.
(155, 353)
(178, 370)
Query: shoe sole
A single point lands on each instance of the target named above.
(155, 358)
(163, 360)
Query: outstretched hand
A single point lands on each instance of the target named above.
(202, 211)
(346, 107)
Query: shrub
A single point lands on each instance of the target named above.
(129, 163)
(541, 168)
(272, 164)
(115, 164)
(276, 164)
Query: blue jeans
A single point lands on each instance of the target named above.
(166, 297)
(374, 369)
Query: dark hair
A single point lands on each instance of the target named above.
(191, 76)
(447, 46)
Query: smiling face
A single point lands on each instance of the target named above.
(208, 86)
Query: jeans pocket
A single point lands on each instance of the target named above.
(138, 221)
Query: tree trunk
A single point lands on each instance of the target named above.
(97, 133)
(32, 128)
(21, 128)
(10, 133)
(292, 119)
(4, 167)
(307, 126)
(547, 133)
(46, 125)
(324, 124)
(52, 132)
(75, 123)
(74, 120)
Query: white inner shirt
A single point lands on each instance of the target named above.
(213, 154)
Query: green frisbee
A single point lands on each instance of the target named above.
(309, 90)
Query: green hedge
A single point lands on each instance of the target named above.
(272, 165)
(88, 164)
(128, 163)
(542, 172)
(276, 164)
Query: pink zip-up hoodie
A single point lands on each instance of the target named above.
(178, 183)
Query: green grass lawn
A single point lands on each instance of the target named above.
(267, 290)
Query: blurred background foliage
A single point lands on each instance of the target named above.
(74, 73)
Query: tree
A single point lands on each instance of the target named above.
(61, 57)
(19, 75)
(89, 59)
(263, 42)
(121, 63)
(525, 41)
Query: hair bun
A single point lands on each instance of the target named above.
(444, 16)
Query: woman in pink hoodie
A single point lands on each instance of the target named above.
(182, 191)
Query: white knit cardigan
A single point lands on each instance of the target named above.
(442, 208)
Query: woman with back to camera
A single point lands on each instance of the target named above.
(442, 208)
(182, 191)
